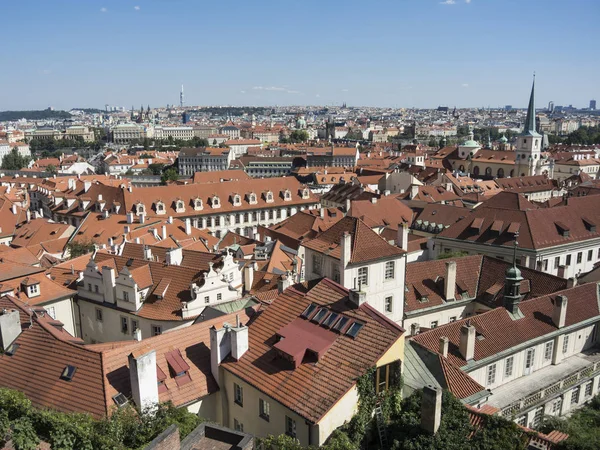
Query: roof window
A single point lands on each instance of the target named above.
(319, 316)
(340, 324)
(68, 373)
(120, 400)
(12, 349)
(308, 311)
(354, 329)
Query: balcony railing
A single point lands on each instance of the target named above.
(541, 395)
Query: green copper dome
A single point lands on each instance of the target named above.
(470, 143)
(503, 139)
(513, 272)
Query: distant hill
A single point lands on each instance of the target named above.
(33, 115)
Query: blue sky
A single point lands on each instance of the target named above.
(401, 53)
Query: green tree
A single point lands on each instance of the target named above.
(76, 249)
(14, 161)
(169, 175)
(298, 136)
(51, 169)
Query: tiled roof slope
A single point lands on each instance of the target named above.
(538, 227)
(101, 369)
(313, 388)
(386, 211)
(500, 332)
(366, 244)
(191, 258)
(482, 276)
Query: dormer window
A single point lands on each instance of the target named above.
(269, 197)
(305, 193)
(198, 204)
(178, 368)
(215, 202)
(237, 200)
(252, 198)
(139, 209)
(160, 207)
(179, 206)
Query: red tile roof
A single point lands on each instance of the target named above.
(366, 244)
(314, 387)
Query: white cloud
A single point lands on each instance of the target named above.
(318, 95)
(344, 90)
(448, 2)
(269, 88)
(242, 92)
(137, 8)
(46, 71)
(467, 1)
(103, 10)
(290, 91)
(465, 85)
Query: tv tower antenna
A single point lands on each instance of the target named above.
(181, 101)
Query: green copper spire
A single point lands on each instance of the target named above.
(529, 128)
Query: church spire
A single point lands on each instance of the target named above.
(529, 128)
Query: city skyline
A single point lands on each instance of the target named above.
(411, 54)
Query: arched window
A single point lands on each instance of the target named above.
(237, 200)
(160, 207)
(198, 204)
(139, 208)
(512, 173)
(488, 171)
(476, 170)
(500, 173)
(461, 168)
(179, 205)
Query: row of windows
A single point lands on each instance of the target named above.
(128, 326)
(363, 272)
(568, 259)
(264, 412)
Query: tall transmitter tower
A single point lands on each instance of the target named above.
(181, 102)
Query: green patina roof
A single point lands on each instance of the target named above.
(529, 128)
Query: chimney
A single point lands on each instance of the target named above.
(142, 218)
(126, 229)
(346, 244)
(239, 340)
(431, 409)
(559, 313)
(144, 382)
(174, 256)
(14, 209)
(87, 185)
(220, 347)
(450, 281)
(99, 197)
(164, 232)
(284, 282)
(449, 187)
(137, 334)
(373, 200)
(414, 329)
(130, 217)
(322, 213)
(357, 297)
(147, 253)
(467, 341)
(402, 238)
(414, 191)
(130, 188)
(170, 220)
(248, 277)
(444, 346)
(10, 327)
(188, 226)
(108, 284)
(105, 214)
(571, 282)
(348, 204)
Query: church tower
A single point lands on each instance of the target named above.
(529, 143)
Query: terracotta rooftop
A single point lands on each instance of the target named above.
(366, 244)
(312, 388)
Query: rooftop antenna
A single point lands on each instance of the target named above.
(181, 100)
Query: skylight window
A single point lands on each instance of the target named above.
(330, 320)
(68, 373)
(12, 349)
(308, 311)
(339, 326)
(120, 400)
(320, 315)
(354, 329)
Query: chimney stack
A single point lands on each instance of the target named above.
(14, 209)
(444, 346)
(402, 238)
(188, 226)
(147, 253)
(10, 327)
(414, 191)
(431, 409)
(450, 281)
(467, 341)
(322, 213)
(164, 232)
(28, 215)
(248, 277)
(220, 347)
(559, 313)
(144, 381)
(130, 217)
(170, 220)
(414, 329)
(142, 218)
(571, 282)
(108, 284)
(137, 335)
(239, 340)
(346, 244)
(357, 297)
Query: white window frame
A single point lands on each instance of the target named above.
(548, 348)
(362, 274)
(509, 363)
(491, 374)
(388, 305)
(390, 270)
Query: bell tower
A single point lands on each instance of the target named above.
(529, 142)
